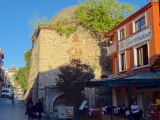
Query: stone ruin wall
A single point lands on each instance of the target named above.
(56, 50)
(50, 50)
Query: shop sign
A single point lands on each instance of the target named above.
(69, 112)
(135, 39)
(147, 87)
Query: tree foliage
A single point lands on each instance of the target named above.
(19, 77)
(99, 16)
(102, 15)
(71, 79)
(27, 58)
(22, 74)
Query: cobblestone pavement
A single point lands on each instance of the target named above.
(12, 112)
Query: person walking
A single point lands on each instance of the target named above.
(29, 108)
(12, 97)
(135, 111)
(39, 108)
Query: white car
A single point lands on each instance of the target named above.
(5, 92)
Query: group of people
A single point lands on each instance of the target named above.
(122, 111)
(31, 109)
(136, 113)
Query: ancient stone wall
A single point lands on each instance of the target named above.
(50, 51)
(34, 70)
(56, 50)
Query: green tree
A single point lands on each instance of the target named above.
(71, 79)
(22, 74)
(102, 15)
(98, 16)
(20, 78)
(27, 58)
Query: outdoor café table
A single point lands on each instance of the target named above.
(96, 114)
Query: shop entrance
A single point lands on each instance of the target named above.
(150, 97)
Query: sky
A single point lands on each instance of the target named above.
(14, 24)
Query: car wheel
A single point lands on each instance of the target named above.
(4, 95)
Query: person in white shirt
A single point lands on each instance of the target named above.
(135, 111)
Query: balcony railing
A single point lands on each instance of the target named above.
(111, 49)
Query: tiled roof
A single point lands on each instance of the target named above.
(156, 63)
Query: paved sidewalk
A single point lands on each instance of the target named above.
(43, 118)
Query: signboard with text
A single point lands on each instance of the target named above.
(69, 112)
(147, 87)
(137, 38)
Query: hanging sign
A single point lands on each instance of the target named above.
(135, 39)
(147, 87)
(69, 111)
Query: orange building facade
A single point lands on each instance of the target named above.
(135, 42)
(134, 47)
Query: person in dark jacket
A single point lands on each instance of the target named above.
(13, 98)
(39, 108)
(29, 108)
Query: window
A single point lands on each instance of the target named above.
(6, 91)
(142, 55)
(140, 24)
(122, 62)
(121, 33)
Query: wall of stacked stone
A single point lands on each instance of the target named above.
(90, 96)
(52, 93)
(34, 69)
(56, 50)
(50, 51)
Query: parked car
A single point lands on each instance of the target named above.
(15, 95)
(6, 92)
